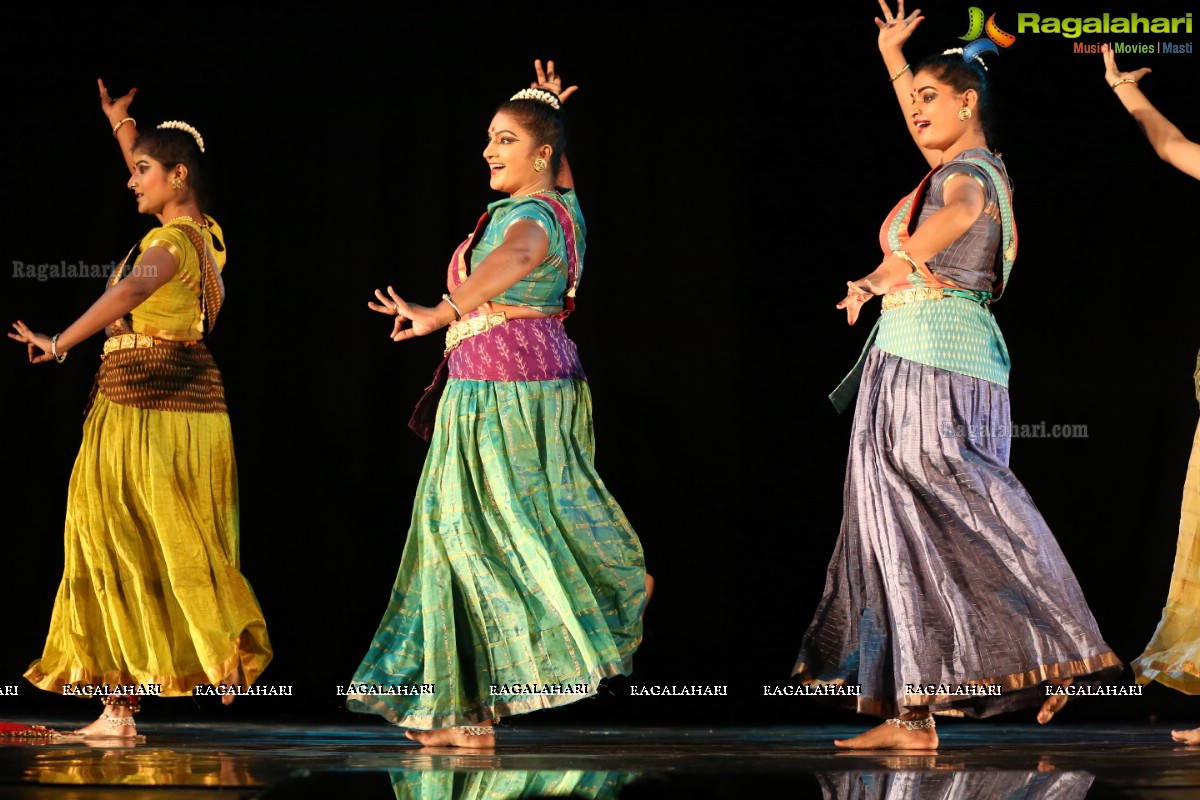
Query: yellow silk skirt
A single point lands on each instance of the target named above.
(1173, 656)
(151, 591)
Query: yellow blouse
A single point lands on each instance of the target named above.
(173, 311)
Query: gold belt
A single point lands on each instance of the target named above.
(127, 341)
(893, 299)
(472, 326)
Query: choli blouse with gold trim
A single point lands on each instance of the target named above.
(173, 311)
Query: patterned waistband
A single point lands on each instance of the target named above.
(127, 341)
(522, 349)
(158, 375)
(472, 326)
(893, 299)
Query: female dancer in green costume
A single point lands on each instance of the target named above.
(522, 584)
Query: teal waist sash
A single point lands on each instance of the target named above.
(957, 333)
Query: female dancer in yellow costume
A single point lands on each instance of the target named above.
(1173, 656)
(152, 594)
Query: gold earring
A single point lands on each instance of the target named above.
(965, 114)
(176, 184)
(539, 164)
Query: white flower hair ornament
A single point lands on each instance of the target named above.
(960, 52)
(541, 95)
(180, 125)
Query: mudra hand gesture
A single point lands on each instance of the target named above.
(424, 320)
(1112, 74)
(116, 110)
(550, 80)
(895, 29)
(34, 341)
(858, 293)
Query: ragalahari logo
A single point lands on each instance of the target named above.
(976, 27)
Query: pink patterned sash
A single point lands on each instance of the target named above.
(518, 350)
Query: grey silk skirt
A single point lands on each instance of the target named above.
(946, 587)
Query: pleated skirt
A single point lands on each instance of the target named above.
(152, 591)
(944, 575)
(1173, 656)
(520, 572)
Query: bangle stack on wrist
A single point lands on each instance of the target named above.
(457, 313)
(899, 73)
(1123, 80)
(117, 127)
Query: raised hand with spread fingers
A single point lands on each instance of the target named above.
(1167, 140)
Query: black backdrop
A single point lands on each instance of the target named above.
(733, 170)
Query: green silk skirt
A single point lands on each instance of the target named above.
(521, 585)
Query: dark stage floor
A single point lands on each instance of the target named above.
(975, 761)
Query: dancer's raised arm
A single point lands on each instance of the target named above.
(1167, 140)
(124, 127)
(894, 32)
(549, 79)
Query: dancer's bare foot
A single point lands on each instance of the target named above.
(452, 737)
(115, 723)
(234, 680)
(888, 737)
(1187, 737)
(1053, 703)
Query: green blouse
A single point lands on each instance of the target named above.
(545, 287)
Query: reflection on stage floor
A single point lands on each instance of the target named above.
(278, 762)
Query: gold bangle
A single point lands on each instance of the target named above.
(1123, 80)
(898, 74)
(117, 127)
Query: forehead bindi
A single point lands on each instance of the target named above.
(505, 123)
(925, 82)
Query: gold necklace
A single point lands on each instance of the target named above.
(190, 219)
(539, 191)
